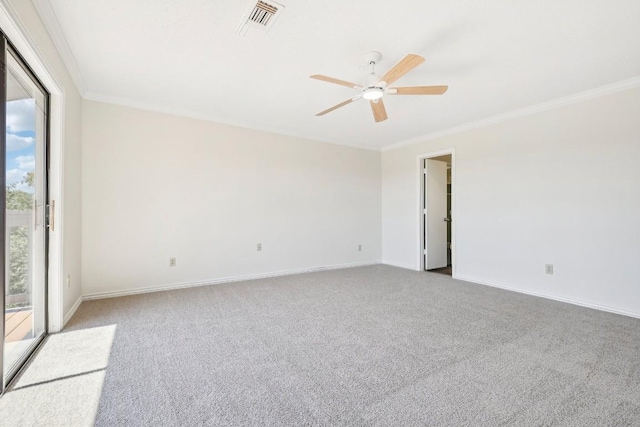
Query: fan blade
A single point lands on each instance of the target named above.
(336, 81)
(418, 90)
(379, 112)
(407, 64)
(335, 107)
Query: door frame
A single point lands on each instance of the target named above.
(16, 33)
(8, 49)
(6, 377)
(420, 205)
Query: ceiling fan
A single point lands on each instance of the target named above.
(376, 87)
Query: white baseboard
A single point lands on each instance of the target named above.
(112, 294)
(71, 312)
(547, 296)
(405, 266)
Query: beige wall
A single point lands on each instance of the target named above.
(558, 187)
(157, 186)
(71, 148)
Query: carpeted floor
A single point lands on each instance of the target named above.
(377, 345)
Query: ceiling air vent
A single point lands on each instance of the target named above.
(261, 16)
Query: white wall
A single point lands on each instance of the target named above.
(157, 186)
(70, 148)
(559, 187)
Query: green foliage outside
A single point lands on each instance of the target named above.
(18, 200)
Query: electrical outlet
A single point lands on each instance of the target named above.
(359, 248)
(172, 262)
(259, 247)
(68, 280)
(548, 268)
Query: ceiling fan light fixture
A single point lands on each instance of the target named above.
(372, 93)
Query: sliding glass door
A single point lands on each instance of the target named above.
(24, 150)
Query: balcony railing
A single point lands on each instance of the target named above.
(18, 258)
(19, 262)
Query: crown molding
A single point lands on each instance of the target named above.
(107, 99)
(52, 25)
(522, 112)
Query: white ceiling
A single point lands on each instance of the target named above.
(496, 56)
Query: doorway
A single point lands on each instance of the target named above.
(24, 211)
(436, 212)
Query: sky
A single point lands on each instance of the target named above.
(21, 125)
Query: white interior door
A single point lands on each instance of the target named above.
(435, 223)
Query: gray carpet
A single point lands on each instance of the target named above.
(377, 346)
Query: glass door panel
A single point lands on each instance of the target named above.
(25, 206)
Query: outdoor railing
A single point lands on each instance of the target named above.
(18, 257)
